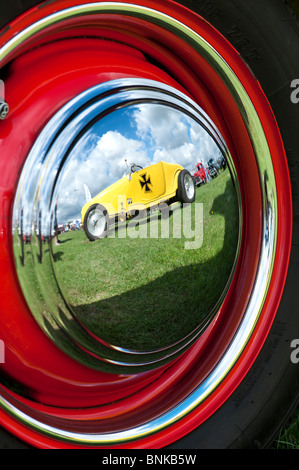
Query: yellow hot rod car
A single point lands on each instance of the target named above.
(140, 189)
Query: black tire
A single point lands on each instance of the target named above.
(91, 236)
(266, 34)
(182, 194)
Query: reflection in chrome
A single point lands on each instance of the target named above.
(189, 185)
(96, 222)
(144, 188)
(268, 191)
(62, 153)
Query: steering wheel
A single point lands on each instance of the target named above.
(135, 168)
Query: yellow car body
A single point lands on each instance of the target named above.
(148, 186)
(140, 189)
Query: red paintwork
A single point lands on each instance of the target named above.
(200, 174)
(57, 72)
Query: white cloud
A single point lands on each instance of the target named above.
(161, 125)
(147, 133)
(174, 136)
(103, 164)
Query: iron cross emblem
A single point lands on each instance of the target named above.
(145, 183)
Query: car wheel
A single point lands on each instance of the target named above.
(186, 188)
(230, 382)
(96, 222)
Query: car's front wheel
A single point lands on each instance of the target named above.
(96, 222)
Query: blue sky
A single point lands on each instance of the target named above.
(141, 134)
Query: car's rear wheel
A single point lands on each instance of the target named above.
(227, 66)
(186, 188)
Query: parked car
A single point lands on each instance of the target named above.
(200, 174)
(213, 168)
(222, 162)
(142, 187)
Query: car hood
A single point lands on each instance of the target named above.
(109, 195)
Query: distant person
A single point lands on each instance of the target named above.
(56, 231)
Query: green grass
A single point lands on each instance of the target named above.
(295, 5)
(288, 438)
(145, 293)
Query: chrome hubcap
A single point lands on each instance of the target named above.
(189, 186)
(96, 223)
(40, 189)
